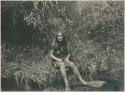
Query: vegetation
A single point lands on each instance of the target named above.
(94, 29)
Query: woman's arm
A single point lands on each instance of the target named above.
(55, 58)
(67, 58)
(69, 50)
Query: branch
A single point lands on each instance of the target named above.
(35, 3)
(28, 16)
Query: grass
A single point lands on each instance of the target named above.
(30, 65)
(25, 69)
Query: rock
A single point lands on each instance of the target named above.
(96, 83)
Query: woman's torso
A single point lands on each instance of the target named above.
(61, 51)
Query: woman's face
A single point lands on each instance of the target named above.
(60, 36)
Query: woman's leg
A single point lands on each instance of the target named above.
(63, 72)
(76, 71)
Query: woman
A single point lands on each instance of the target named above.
(60, 55)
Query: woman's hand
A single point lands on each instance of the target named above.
(60, 60)
(67, 59)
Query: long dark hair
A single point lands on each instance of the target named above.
(60, 43)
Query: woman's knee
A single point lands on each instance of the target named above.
(61, 64)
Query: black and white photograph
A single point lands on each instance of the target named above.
(62, 45)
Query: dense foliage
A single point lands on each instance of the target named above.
(94, 29)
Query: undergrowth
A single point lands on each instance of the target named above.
(31, 65)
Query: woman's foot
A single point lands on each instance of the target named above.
(85, 83)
